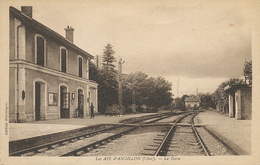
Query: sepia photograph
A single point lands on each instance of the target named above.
(130, 82)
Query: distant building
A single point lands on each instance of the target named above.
(240, 101)
(192, 101)
(48, 74)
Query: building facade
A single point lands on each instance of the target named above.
(192, 102)
(48, 74)
(240, 101)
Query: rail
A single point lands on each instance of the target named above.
(198, 137)
(161, 149)
(48, 146)
(100, 142)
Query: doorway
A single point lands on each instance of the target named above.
(81, 103)
(39, 101)
(234, 106)
(64, 102)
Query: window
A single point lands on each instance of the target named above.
(80, 66)
(40, 46)
(63, 60)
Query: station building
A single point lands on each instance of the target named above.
(48, 74)
(240, 101)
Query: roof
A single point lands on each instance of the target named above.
(234, 87)
(30, 22)
(192, 99)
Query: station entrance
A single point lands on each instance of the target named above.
(39, 101)
(64, 102)
(80, 103)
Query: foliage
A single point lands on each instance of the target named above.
(159, 92)
(207, 101)
(106, 79)
(248, 72)
(109, 60)
(179, 102)
(148, 91)
(220, 97)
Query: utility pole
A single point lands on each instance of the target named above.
(133, 101)
(178, 87)
(120, 93)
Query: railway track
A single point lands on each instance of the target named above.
(94, 145)
(184, 139)
(38, 150)
(179, 137)
(150, 118)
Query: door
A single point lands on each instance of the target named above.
(234, 105)
(37, 101)
(81, 105)
(64, 103)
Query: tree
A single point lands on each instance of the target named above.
(248, 72)
(109, 59)
(159, 92)
(207, 101)
(94, 73)
(180, 102)
(149, 91)
(106, 79)
(134, 82)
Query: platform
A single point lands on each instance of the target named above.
(235, 133)
(19, 131)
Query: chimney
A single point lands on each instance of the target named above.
(69, 33)
(27, 10)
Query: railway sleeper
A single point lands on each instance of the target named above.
(153, 145)
(73, 140)
(54, 146)
(158, 139)
(80, 153)
(43, 149)
(196, 147)
(157, 142)
(28, 154)
(181, 152)
(190, 150)
(94, 146)
(147, 154)
(151, 149)
(65, 142)
(193, 143)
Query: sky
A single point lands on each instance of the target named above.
(199, 43)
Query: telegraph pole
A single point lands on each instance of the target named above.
(120, 93)
(178, 87)
(133, 101)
